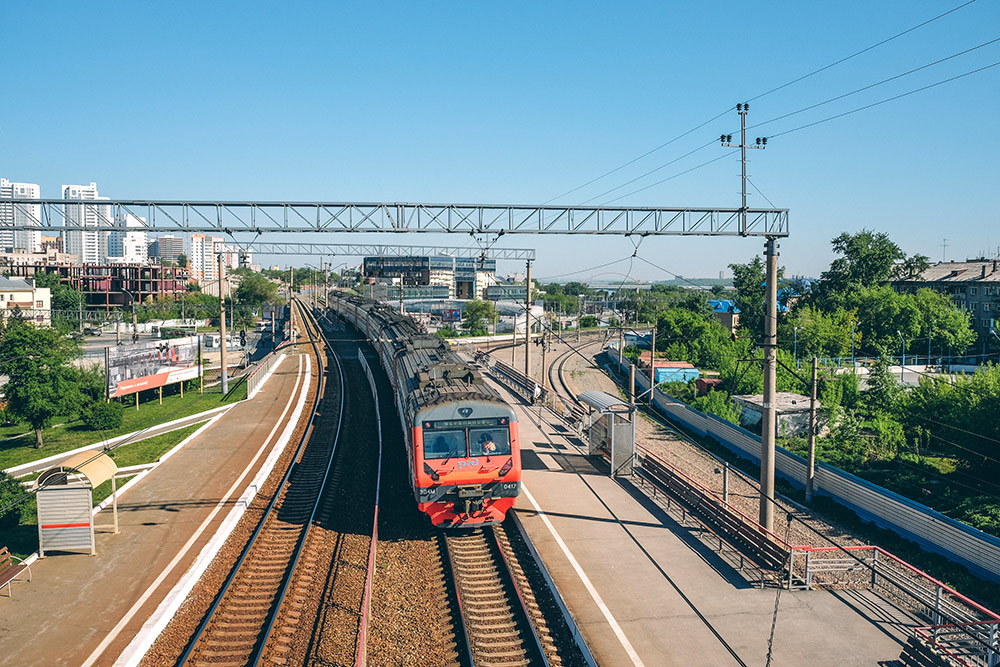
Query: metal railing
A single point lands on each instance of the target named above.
(256, 377)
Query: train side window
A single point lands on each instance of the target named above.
(489, 441)
(444, 444)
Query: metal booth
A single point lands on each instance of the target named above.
(65, 495)
(610, 427)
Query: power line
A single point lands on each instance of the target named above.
(761, 193)
(636, 159)
(876, 84)
(978, 435)
(670, 178)
(888, 99)
(592, 268)
(651, 171)
(864, 50)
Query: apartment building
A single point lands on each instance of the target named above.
(90, 244)
(16, 221)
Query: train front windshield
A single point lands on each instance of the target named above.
(442, 440)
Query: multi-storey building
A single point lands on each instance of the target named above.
(973, 285)
(19, 294)
(202, 257)
(16, 222)
(129, 247)
(108, 285)
(90, 246)
(167, 247)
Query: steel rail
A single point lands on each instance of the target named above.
(255, 659)
(268, 512)
(465, 638)
(520, 598)
(361, 652)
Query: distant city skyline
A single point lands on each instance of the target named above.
(529, 104)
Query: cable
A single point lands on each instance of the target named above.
(761, 193)
(858, 53)
(634, 160)
(874, 85)
(670, 178)
(678, 277)
(978, 435)
(573, 273)
(651, 171)
(888, 99)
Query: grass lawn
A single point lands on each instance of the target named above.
(75, 434)
(23, 540)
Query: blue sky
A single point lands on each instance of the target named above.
(519, 103)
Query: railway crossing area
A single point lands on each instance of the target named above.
(81, 610)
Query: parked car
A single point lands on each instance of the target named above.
(92, 331)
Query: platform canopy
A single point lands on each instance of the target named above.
(95, 467)
(604, 402)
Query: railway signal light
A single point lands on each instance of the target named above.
(243, 337)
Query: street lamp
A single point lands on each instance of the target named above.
(902, 365)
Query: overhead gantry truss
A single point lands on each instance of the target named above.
(381, 250)
(263, 217)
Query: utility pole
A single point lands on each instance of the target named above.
(543, 356)
(527, 322)
(811, 464)
(81, 310)
(761, 143)
(769, 417)
(291, 311)
(222, 324)
(579, 316)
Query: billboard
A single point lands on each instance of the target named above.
(451, 315)
(132, 368)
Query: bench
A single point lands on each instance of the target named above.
(10, 570)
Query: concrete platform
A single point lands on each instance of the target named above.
(644, 592)
(82, 609)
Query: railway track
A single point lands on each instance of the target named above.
(236, 628)
(495, 617)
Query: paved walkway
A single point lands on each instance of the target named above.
(77, 602)
(643, 591)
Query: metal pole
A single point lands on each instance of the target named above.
(768, 425)
(621, 343)
(222, 324)
(631, 384)
(291, 311)
(543, 358)
(725, 482)
(579, 316)
(743, 167)
(81, 310)
(652, 360)
(811, 465)
(527, 323)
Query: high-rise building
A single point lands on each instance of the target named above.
(16, 221)
(130, 247)
(202, 258)
(90, 246)
(167, 247)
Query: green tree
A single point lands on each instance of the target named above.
(255, 290)
(588, 321)
(882, 395)
(42, 381)
(719, 404)
(182, 260)
(867, 259)
(751, 297)
(911, 267)
(477, 316)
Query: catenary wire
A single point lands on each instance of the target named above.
(761, 193)
(670, 178)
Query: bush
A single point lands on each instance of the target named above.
(10, 491)
(101, 416)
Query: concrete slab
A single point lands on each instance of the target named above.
(644, 592)
(75, 601)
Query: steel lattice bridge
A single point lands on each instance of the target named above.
(233, 217)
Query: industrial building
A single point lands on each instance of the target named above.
(464, 277)
(112, 285)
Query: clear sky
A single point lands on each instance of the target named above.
(520, 102)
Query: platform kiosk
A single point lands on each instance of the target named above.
(610, 427)
(65, 496)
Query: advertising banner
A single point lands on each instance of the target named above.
(132, 368)
(451, 315)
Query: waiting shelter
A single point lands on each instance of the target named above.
(610, 427)
(65, 495)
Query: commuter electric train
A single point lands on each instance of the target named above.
(461, 437)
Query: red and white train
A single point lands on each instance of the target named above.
(461, 437)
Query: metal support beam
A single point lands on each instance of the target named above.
(379, 250)
(527, 325)
(260, 217)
